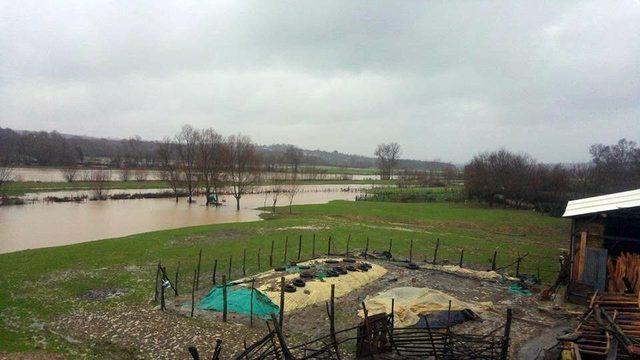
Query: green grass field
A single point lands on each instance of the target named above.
(415, 194)
(40, 285)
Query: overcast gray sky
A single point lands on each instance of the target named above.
(444, 79)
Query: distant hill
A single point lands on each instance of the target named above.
(53, 148)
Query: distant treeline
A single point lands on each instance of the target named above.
(518, 180)
(55, 149)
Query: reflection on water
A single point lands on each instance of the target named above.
(51, 224)
(55, 175)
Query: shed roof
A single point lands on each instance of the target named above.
(597, 204)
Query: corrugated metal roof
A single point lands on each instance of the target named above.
(596, 204)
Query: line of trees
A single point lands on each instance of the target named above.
(203, 159)
(521, 181)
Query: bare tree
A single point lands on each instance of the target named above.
(293, 186)
(100, 179)
(140, 175)
(70, 173)
(187, 146)
(277, 188)
(211, 155)
(243, 165)
(125, 172)
(169, 171)
(293, 156)
(387, 155)
(6, 175)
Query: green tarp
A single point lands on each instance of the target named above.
(239, 301)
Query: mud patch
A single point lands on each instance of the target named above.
(102, 294)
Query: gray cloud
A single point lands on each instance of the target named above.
(444, 79)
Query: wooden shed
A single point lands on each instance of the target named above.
(605, 244)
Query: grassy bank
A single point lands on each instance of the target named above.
(40, 285)
(414, 194)
(24, 187)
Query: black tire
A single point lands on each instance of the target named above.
(307, 274)
(280, 268)
(412, 266)
(331, 261)
(304, 267)
(298, 282)
(351, 268)
(289, 288)
(348, 260)
(332, 273)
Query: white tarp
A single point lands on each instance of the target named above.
(411, 302)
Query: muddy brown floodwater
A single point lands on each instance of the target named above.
(43, 224)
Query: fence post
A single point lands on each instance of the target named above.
(215, 267)
(299, 246)
(504, 352)
(411, 251)
(155, 294)
(229, 270)
(461, 257)
(332, 321)
(271, 255)
(162, 307)
(259, 259)
(366, 249)
(224, 298)
(390, 245)
(175, 286)
(348, 243)
(253, 285)
(286, 246)
(435, 251)
(281, 317)
(329, 246)
(244, 262)
(198, 270)
(493, 262)
(193, 291)
(313, 246)
(518, 265)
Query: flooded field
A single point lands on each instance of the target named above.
(46, 174)
(43, 224)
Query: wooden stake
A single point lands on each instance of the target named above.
(244, 262)
(175, 285)
(253, 286)
(198, 270)
(348, 243)
(162, 307)
(518, 265)
(313, 246)
(271, 254)
(461, 257)
(286, 247)
(329, 246)
(215, 267)
(259, 267)
(411, 251)
(155, 294)
(332, 321)
(504, 353)
(493, 262)
(366, 249)
(390, 245)
(229, 271)
(299, 246)
(281, 317)
(193, 291)
(224, 298)
(435, 251)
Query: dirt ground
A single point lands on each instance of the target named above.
(147, 332)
